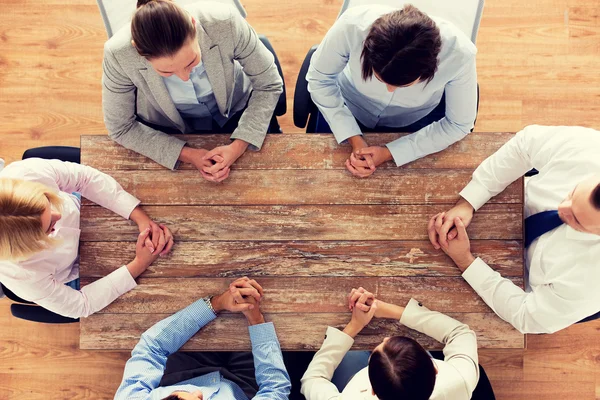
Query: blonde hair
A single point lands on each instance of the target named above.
(22, 204)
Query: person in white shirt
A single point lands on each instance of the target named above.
(399, 368)
(39, 235)
(562, 228)
(380, 68)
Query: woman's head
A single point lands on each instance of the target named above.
(400, 368)
(164, 34)
(28, 213)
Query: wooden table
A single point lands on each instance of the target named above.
(293, 218)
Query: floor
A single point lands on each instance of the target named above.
(538, 63)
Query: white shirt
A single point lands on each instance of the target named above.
(42, 277)
(562, 265)
(337, 88)
(457, 375)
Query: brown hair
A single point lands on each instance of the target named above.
(596, 197)
(401, 370)
(401, 47)
(172, 397)
(160, 28)
(22, 204)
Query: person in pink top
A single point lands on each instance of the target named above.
(39, 235)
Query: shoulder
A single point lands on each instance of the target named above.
(32, 169)
(210, 13)
(455, 44)
(362, 17)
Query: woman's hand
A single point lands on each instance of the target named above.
(144, 222)
(221, 159)
(143, 256)
(361, 318)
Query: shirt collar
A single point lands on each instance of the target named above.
(572, 234)
(208, 384)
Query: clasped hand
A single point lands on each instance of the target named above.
(365, 159)
(244, 295)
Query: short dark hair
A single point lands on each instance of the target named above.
(160, 28)
(402, 369)
(172, 397)
(596, 197)
(401, 47)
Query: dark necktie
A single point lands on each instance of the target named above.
(538, 224)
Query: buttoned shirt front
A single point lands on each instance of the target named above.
(562, 267)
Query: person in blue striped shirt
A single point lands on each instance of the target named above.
(156, 371)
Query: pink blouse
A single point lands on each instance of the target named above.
(42, 277)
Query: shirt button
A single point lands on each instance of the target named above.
(420, 304)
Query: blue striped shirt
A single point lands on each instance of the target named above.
(146, 366)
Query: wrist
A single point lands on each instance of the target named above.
(357, 142)
(239, 146)
(136, 268)
(462, 202)
(464, 262)
(139, 217)
(215, 302)
(352, 329)
(187, 154)
(255, 319)
(388, 154)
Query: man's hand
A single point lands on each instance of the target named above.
(459, 249)
(234, 299)
(441, 227)
(361, 166)
(221, 158)
(144, 222)
(361, 318)
(254, 316)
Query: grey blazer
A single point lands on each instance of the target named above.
(239, 67)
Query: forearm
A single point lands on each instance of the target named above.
(271, 375)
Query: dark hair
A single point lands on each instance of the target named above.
(172, 396)
(160, 28)
(596, 197)
(401, 47)
(401, 370)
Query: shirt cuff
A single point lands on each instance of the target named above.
(262, 333)
(412, 314)
(399, 152)
(124, 204)
(122, 280)
(476, 194)
(200, 312)
(477, 273)
(341, 339)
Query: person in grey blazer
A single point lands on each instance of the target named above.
(201, 68)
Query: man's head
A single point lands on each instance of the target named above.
(581, 209)
(401, 48)
(400, 368)
(197, 395)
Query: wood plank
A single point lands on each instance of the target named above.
(373, 222)
(228, 332)
(258, 259)
(302, 294)
(392, 186)
(312, 151)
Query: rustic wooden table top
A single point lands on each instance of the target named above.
(292, 217)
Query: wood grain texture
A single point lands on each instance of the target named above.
(301, 294)
(304, 187)
(311, 151)
(258, 259)
(209, 223)
(113, 332)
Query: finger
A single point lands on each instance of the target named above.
(355, 171)
(217, 158)
(370, 162)
(235, 293)
(357, 162)
(355, 297)
(257, 286)
(239, 282)
(213, 169)
(363, 298)
(162, 242)
(210, 154)
(439, 222)
(148, 243)
(156, 231)
(373, 309)
(363, 307)
(142, 238)
(444, 230)
(432, 232)
(452, 234)
(208, 177)
(461, 229)
(241, 307)
(167, 248)
(225, 176)
(250, 292)
(366, 151)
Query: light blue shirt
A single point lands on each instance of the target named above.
(337, 88)
(194, 99)
(146, 366)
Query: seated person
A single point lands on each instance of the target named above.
(196, 69)
(562, 228)
(385, 69)
(208, 376)
(399, 368)
(39, 235)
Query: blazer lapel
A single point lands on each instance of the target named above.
(161, 94)
(211, 58)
